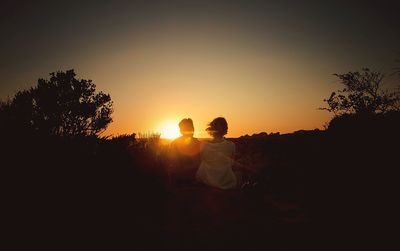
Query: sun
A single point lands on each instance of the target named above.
(170, 130)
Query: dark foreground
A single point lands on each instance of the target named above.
(315, 190)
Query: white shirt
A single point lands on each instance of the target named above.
(216, 164)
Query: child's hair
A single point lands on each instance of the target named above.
(218, 127)
(186, 126)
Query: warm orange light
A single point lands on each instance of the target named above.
(170, 130)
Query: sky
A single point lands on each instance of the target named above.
(265, 66)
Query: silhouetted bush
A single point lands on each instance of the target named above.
(366, 124)
(363, 93)
(62, 105)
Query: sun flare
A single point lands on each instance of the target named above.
(170, 131)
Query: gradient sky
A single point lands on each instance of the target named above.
(263, 65)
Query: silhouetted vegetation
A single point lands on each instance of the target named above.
(62, 105)
(362, 94)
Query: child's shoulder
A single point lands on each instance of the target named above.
(229, 144)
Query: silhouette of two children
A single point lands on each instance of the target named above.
(205, 162)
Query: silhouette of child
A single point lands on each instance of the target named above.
(217, 158)
(184, 155)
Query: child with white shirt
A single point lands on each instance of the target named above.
(217, 158)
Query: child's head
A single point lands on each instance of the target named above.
(186, 127)
(218, 127)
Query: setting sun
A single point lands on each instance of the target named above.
(170, 130)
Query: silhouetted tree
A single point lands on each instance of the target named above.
(362, 94)
(62, 105)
